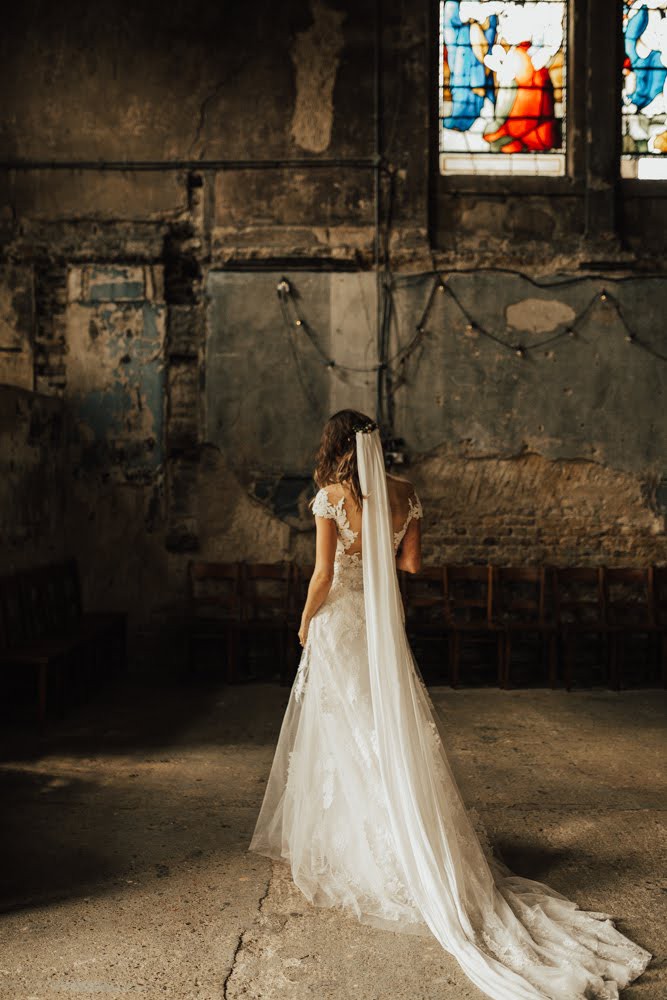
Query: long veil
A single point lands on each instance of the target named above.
(515, 938)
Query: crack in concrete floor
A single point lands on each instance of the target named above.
(242, 937)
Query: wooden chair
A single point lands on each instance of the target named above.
(19, 652)
(520, 608)
(214, 611)
(469, 614)
(579, 610)
(43, 628)
(628, 596)
(266, 595)
(423, 595)
(660, 616)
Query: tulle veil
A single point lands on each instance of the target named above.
(515, 938)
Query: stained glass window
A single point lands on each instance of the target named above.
(644, 89)
(502, 86)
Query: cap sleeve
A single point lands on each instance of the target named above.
(322, 507)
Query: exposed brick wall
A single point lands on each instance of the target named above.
(530, 510)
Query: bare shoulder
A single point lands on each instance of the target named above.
(399, 486)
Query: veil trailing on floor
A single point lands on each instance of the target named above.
(515, 938)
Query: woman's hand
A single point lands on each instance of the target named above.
(303, 631)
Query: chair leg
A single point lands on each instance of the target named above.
(500, 659)
(456, 658)
(663, 658)
(568, 658)
(553, 661)
(232, 655)
(189, 649)
(614, 675)
(42, 681)
(507, 660)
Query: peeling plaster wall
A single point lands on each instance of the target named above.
(114, 367)
(592, 397)
(315, 55)
(17, 316)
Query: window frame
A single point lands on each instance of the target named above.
(633, 186)
(593, 136)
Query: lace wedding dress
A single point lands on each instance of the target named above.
(362, 804)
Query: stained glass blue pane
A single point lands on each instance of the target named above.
(644, 89)
(502, 86)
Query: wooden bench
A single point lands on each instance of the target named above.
(43, 628)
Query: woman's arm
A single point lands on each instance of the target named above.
(409, 555)
(320, 581)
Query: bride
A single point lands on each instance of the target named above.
(361, 800)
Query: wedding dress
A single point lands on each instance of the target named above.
(362, 803)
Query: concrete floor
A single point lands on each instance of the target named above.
(125, 827)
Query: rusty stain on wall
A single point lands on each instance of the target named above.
(115, 366)
(316, 56)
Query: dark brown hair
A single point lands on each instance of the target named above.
(336, 460)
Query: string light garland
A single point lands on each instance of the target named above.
(395, 364)
(293, 317)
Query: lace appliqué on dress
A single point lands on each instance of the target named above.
(322, 507)
(415, 511)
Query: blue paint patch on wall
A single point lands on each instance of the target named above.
(121, 291)
(121, 419)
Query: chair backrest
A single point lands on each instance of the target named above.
(266, 590)
(660, 594)
(423, 594)
(469, 594)
(13, 626)
(37, 596)
(214, 589)
(62, 592)
(628, 593)
(578, 593)
(519, 595)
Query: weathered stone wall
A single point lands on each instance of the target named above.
(162, 168)
(33, 464)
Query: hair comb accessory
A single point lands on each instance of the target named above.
(367, 428)
(361, 429)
